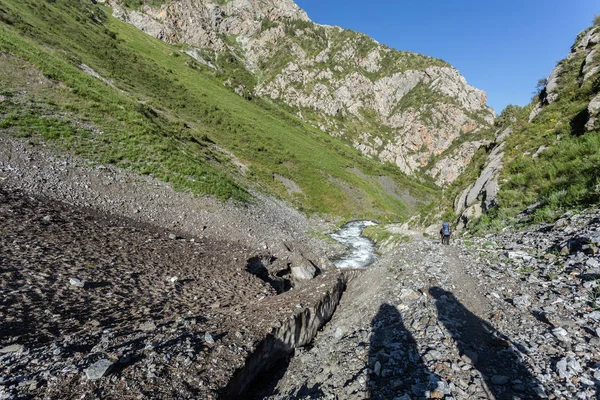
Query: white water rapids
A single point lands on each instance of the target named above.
(361, 251)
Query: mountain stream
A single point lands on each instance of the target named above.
(361, 250)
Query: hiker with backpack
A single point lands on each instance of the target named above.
(445, 233)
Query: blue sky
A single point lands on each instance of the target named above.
(503, 47)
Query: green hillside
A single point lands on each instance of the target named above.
(153, 109)
(567, 173)
(552, 157)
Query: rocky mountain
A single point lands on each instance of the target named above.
(397, 106)
(77, 78)
(545, 157)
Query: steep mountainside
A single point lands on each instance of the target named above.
(74, 77)
(545, 158)
(401, 107)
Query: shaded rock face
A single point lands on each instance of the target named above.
(400, 107)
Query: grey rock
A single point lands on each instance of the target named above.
(522, 301)
(519, 255)
(302, 269)
(470, 357)
(568, 367)
(561, 334)
(408, 295)
(551, 89)
(77, 282)
(148, 326)
(594, 315)
(592, 263)
(98, 369)
(377, 368)
(338, 333)
(13, 348)
(208, 338)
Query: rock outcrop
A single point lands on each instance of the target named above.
(481, 195)
(449, 167)
(584, 49)
(400, 107)
(563, 117)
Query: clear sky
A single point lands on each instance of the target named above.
(503, 47)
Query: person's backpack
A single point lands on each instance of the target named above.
(446, 229)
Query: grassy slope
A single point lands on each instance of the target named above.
(163, 111)
(564, 176)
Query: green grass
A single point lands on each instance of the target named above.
(163, 114)
(380, 234)
(567, 174)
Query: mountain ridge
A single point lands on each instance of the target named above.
(400, 107)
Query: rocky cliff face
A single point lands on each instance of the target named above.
(401, 107)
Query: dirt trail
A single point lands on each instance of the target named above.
(466, 287)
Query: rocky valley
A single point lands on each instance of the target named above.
(174, 177)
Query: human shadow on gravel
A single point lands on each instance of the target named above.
(493, 354)
(394, 359)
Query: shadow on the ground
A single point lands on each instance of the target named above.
(492, 353)
(395, 359)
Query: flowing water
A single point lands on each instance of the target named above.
(361, 251)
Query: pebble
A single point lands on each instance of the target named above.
(77, 282)
(208, 338)
(148, 326)
(98, 369)
(13, 348)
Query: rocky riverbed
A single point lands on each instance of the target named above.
(509, 316)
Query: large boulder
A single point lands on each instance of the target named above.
(302, 269)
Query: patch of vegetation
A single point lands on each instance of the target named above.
(381, 234)
(137, 4)
(525, 270)
(567, 173)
